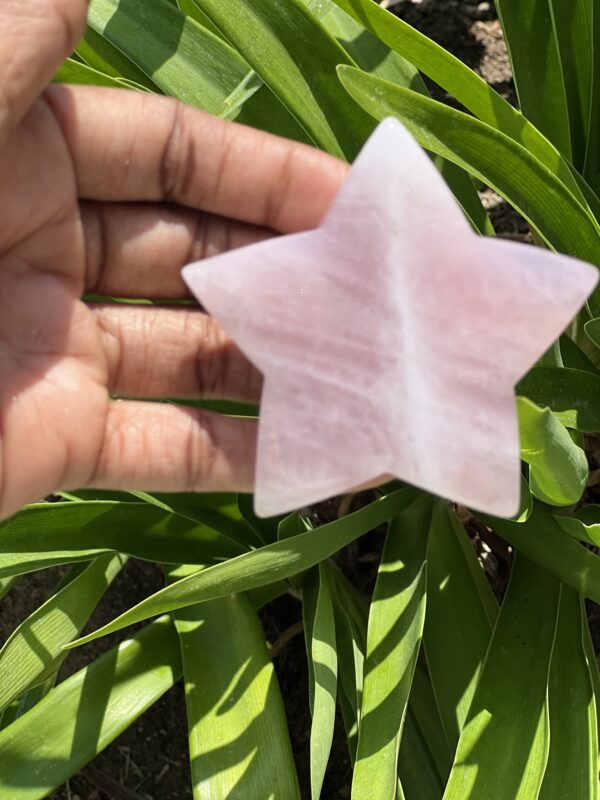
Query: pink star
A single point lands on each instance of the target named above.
(390, 338)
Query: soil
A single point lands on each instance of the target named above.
(149, 761)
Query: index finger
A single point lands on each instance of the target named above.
(135, 146)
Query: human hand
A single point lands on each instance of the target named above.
(112, 192)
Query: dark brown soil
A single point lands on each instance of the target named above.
(149, 761)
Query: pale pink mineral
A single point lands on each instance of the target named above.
(391, 338)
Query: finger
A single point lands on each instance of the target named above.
(137, 146)
(138, 250)
(35, 38)
(166, 352)
(162, 447)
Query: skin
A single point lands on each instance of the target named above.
(113, 192)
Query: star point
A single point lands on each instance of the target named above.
(390, 338)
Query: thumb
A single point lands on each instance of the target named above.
(35, 38)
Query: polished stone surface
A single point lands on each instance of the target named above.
(391, 338)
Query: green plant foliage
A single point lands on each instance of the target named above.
(238, 737)
(33, 653)
(558, 468)
(319, 626)
(461, 613)
(272, 38)
(572, 394)
(510, 705)
(468, 88)
(532, 35)
(265, 565)
(488, 155)
(572, 768)
(82, 715)
(394, 635)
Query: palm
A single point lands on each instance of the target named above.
(112, 192)
(53, 391)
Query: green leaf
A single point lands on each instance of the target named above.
(425, 758)
(542, 540)
(351, 615)
(61, 533)
(221, 512)
(572, 769)
(531, 37)
(98, 53)
(592, 329)
(181, 57)
(573, 356)
(491, 156)
(584, 525)
(190, 8)
(461, 612)
(261, 110)
(263, 566)
(320, 634)
(238, 736)
(75, 72)
(572, 24)
(503, 748)
(573, 395)
(34, 650)
(370, 54)
(592, 158)
(394, 635)
(296, 58)
(558, 468)
(468, 88)
(85, 713)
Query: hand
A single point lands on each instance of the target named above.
(112, 192)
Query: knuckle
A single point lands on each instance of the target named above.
(177, 162)
(212, 360)
(201, 452)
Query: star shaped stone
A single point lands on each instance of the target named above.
(391, 338)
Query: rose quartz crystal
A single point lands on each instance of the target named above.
(390, 338)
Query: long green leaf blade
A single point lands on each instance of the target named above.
(320, 633)
(180, 56)
(61, 533)
(529, 31)
(542, 540)
(592, 157)
(101, 55)
(370, 54)
(296, 57)
(572, 24)
(85, 713)
(394, 635)
(488, 155)
(461, 612)
(238, 736)
(503, 748)
(34, 651)
(263, 566)
(572, 769)
(467, 87)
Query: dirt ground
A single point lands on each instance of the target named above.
(149, 761)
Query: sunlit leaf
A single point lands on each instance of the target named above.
(394, 635)
(558, 468)
(85, 713)
(503, 748)
(265, 565)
